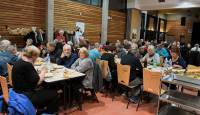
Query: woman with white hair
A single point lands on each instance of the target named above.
(26, 79)
(152, 58)
(84, 65)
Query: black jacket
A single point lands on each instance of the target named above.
(136, 66)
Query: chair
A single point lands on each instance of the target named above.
(151, 83)
(9, 67)
(4, 88)
(105, 72)
(123, 73)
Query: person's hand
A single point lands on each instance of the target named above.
(62, 55)
(44, 69)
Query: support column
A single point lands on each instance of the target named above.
(104, 31)
(50, 20)
(134, 24)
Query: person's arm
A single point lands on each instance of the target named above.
(75, 64)
(72, 60)
(84, 66)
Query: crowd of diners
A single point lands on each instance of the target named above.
(26, 80)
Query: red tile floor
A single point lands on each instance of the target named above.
(108, 107)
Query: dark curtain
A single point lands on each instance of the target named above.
(195, 33)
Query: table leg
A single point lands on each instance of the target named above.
(64, 96)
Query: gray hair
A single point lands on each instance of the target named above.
(96, 45)
(151, 47)
(10, 49)
(4, 44)
(67, 46)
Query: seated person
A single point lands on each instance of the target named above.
(120, 51)
(95, 53)
(151, 57)
(29, 42)
(7, 56)
(136, 73)
(84, 65)
(67, 58)
(177, 60)
(54, 52)
(162, 51)
(26, 79)
(4, 44)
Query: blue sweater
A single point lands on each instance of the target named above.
(19, 104)
(180, 61)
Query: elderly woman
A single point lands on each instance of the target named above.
(84, 65)
(151, 57)
(177, 60)
(26, 79)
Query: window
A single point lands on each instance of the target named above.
(90, 2)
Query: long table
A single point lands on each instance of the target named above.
(60, 73)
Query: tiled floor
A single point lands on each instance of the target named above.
(108, 107)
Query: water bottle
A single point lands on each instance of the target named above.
(166, 63)
(48, 63)
(170, 63)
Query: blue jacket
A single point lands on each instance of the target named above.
(19, 104)
(67, 61)
(5, 58)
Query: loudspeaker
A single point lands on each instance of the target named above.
(183, 21)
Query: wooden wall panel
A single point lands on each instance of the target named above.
(67, 13)
(21, 14)
(174, 28)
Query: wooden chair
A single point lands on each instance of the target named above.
(4, 88)
(123, 73)
(105, 72)
(9, 67)
(151, 83)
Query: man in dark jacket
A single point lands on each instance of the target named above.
(54, 52)
(136, 73)
(67, 58)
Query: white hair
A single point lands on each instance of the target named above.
(151, 47)
(4, 44)
(66, 46)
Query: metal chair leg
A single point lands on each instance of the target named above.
(128, 103)
(140, 98)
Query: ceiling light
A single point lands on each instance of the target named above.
(185, 5)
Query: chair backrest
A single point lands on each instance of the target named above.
(9, 67)
(123, 74)
(104, 68)
(152, 81)
(4, 87)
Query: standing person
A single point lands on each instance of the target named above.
(95, 53)
(26, 80)
(78, 36)
(60, 38)
(67, 58)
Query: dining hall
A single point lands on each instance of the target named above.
(100, 57)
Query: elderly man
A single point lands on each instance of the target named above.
(151, 57)
(7, 56)
(67, 58)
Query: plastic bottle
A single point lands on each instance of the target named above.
(166, 63)
(48, 62)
